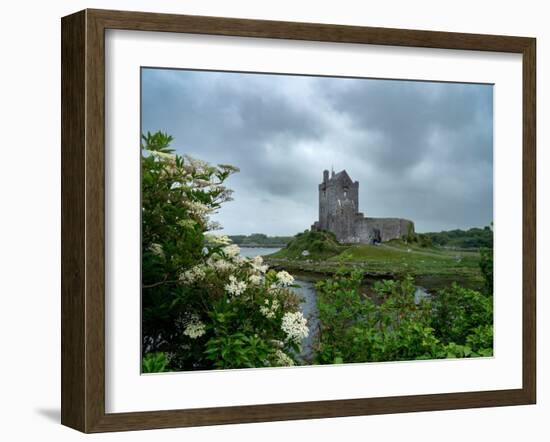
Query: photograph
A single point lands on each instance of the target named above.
(297, 220)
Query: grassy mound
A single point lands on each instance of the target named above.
(310, 245)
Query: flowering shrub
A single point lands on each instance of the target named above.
(248, 314)
(204, 305)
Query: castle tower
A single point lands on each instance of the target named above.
(338, 201)
(339, 213)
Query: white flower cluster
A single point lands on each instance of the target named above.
(285, 279)
(269, 311)
(156, 249)
(162, 155)
(196, 273)
(200, 183)
(186, 223)
(255, 279)
(219, 264)
(232, 250)
(195, 328)
(198, 208)
(198, 165)
(295, 326)
(282, 359)
(235, 287)
(218, 239)
(239, 260)
(258, 264)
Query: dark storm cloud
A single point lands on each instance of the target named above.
(419, 150)
(407, 115)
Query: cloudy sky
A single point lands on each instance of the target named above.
(420, 150)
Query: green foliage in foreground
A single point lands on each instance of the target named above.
(393, 327)
(177, 194)
(154, 363)
(205, 306)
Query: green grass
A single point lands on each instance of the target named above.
(432, 267)
(399, 259)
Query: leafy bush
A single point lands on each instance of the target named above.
(204, 305)
(457, 311)
(355, 328)
(392, 326)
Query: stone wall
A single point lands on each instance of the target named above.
(371, 230)
(390, 228)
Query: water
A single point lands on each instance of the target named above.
(308, 306)
(420, 294)
(251, 252)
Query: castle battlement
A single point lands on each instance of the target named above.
(339, 213)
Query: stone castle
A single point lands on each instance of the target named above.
(339, 213)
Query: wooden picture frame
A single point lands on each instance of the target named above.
(83, 220)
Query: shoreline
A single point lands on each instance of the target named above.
(316, 270)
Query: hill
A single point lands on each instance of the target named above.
(310, 245)
(432, 266)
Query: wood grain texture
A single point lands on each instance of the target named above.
(95, 222)
(145, 21)
(73, 253)
(83, 219)
(529, 220)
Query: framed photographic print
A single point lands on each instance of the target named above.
(271, 220)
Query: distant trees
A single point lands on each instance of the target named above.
(473, 238)
(260, 239)
(486, 267)
(422, 239)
